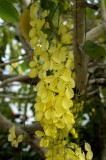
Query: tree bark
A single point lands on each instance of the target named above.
(79, 37)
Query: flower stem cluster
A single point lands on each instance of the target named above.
(52, 63)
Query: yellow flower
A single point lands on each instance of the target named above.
(50, 113)
(44, 142)
(34, 41)
(66, 76)
(89, 154)
(80, 154)
(33, 10)
(39, 133)
(66, 103)
(33, 73)
(32, 32)
(12, 137)
(45, 13)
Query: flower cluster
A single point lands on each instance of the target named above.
(52, 63)
(12, 137)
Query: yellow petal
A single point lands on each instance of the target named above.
(38, 116)
(33, 10)
(66, 76)
(46, 25)
(11, 137)
(40, 24)
(70, 153)
(89, 155)
(33, 73)
(32, 64)
(56, 57)
(45, 44)
(45, 13)
(12, 132)
(39, 133)
(66, 38)
(12, 129)
(72, 83)
(44, 142)
(34, 41)
(67, 103)
(52, 50)
(48, 114)
(68, 120)
(61, 85)
(69, 93)
(32, 32)
(20, 138)
(87, 146)
(60, 125)
(14, 143)
(40, 107)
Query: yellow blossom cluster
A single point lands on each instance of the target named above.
(12, 137)
(52, 63)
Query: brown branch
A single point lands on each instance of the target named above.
(17, 96)
(14, 60)
(103, 9)
(92, 92)
(20, 78)
(99, 81)
(5, 124)
(96, 32)
(26, 44)
(36, 126)
(79, 37)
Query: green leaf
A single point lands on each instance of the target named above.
(105, 2)
(94, 50)
(55, 17)
(13, 1)
(8, 12)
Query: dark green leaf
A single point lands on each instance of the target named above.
(8, 12)
(13, 1)
(94, 50)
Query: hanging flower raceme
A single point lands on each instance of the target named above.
(52, 63)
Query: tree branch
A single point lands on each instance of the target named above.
(100, 81)
(103, 10)
(96, 32)
(79, 37)
(17, 96)
(14, 60)
(21, 78)
(33, 127)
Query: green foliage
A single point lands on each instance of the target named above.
(8, 12)
(94, 50)
(58, 7)
(13, 1)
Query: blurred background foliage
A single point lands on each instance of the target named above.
(18, 96)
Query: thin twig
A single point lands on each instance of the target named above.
(14, 60)
(100, 81)
(17, 96)
(17, 78)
